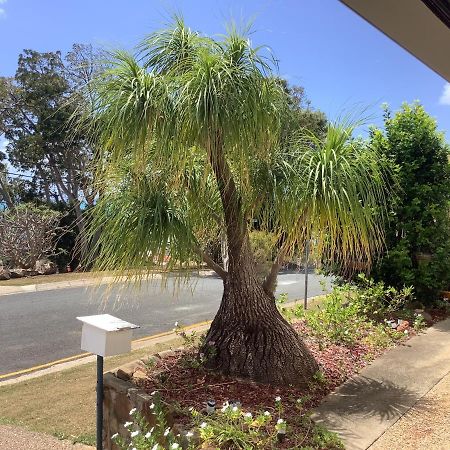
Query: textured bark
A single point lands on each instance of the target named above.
(249, 337)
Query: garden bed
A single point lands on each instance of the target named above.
(183, 386)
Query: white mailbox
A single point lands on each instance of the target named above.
(106, 335)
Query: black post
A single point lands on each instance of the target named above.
(305, 301)
(99, 402)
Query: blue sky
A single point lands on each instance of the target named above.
(342, 62)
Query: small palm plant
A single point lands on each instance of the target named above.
(188, 132)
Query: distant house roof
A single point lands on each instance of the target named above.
(422, 27)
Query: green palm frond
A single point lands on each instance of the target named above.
(162, 116)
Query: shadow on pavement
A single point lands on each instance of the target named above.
(363, 397)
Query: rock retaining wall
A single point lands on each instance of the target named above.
(121, 394)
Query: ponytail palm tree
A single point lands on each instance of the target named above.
(189, 132)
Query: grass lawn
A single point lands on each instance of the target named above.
(41, 279)
(72, 276)
(63, 403)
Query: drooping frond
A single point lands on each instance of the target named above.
(341, 198)
(163, 117)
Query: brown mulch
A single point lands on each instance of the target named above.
(181, 384)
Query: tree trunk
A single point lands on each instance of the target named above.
(249, 337)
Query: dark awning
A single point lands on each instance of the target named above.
(422, 27)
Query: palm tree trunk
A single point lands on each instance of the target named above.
(249, 337)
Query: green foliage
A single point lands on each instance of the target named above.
(337, 319)
(419, 323)
(376, 300)
(144, 437)
(175, 131)
(418, 235)
(352, 313)
(299, 116)
(263, 245)
(228, 428)
(37, 106)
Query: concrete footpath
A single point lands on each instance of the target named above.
(400, 401)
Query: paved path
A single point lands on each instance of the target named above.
(39, 327)
(425, 426)
(414, 375)
(15, 438)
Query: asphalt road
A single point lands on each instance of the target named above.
(39, 327)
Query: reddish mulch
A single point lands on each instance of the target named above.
(181, 384)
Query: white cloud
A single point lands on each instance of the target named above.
(445, 97)
(2, 10)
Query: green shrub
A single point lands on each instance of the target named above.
(350, 312)
(418, 229)
(376, 301)
(337, 319)
(263, 247)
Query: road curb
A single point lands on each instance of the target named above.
(137, 344)
(95, 281)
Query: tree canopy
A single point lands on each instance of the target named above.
(418, 235)
(189, 132)
(160, 117)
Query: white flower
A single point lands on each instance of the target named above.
(266, 413)
(176, 324)
(280, 421)
(175, 445)
(203, 425)
(134, 433)
(248, 415)
(128, 424)
(148, 434)
(114, 435)
(153, 393)
(189, 434)
(234, 409)
(278, 399)
(167, 431)
(132, 411)
(152, 406)
(134, 448)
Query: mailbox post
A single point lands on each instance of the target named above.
(104, 335)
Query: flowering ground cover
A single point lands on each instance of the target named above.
(210, 410)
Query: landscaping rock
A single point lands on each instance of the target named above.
(403, 325)
(45, 267)
(427, 317)
(5, 274)
(126, 372)
(139, 375)
(120, 397)
(31, 273)
(18, 273)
